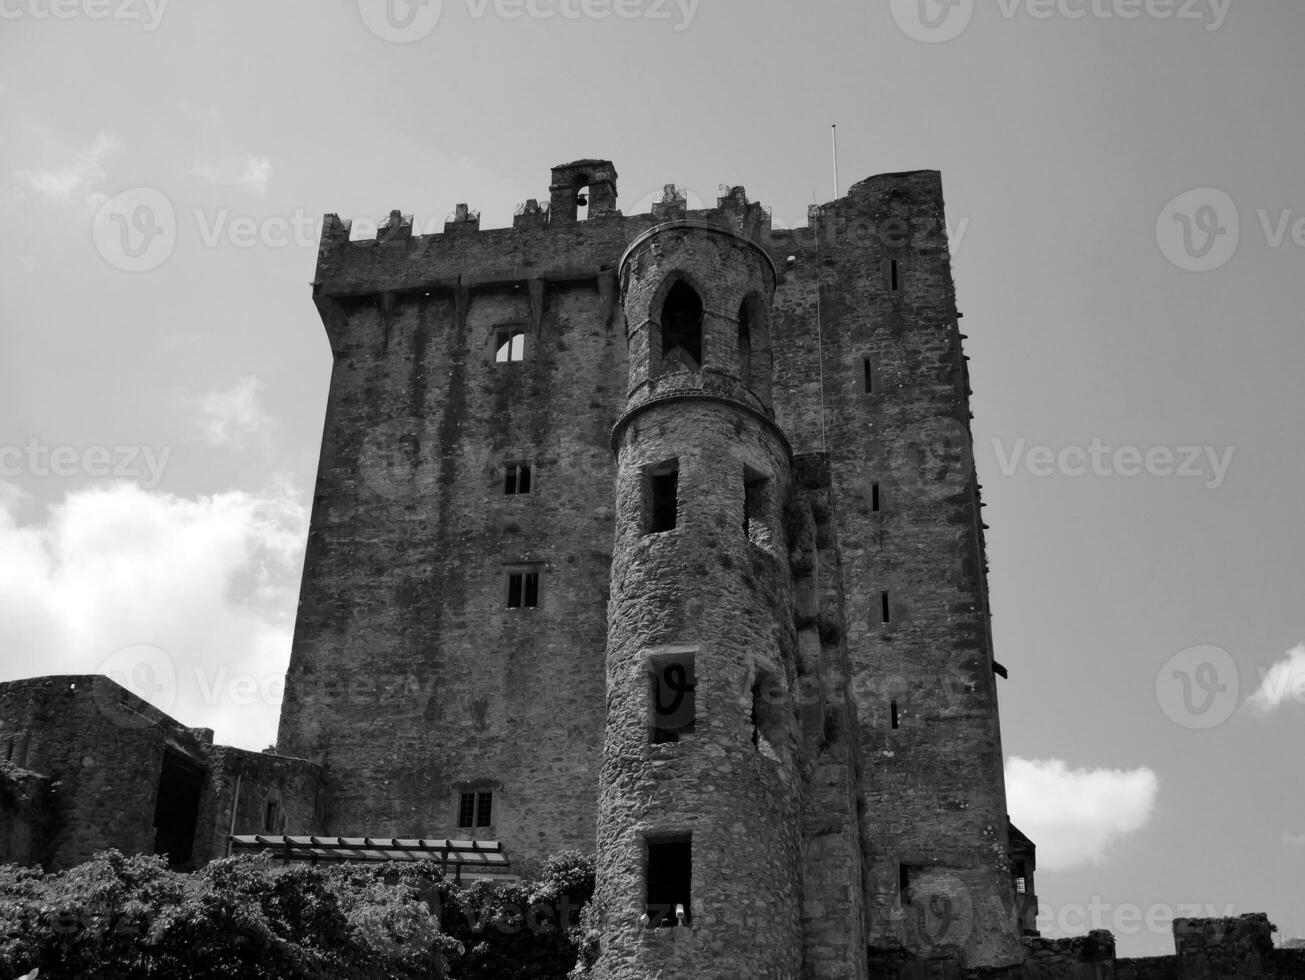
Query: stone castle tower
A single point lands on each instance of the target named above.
(660, 534)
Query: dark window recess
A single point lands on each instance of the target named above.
(768, 704)
(869, 375)
(272, 817)
(475, 809)
(894, 276)
(511, 346)
(876, 501)
(517, 479)
(745, 345)
(755, 488)
(670, 874)
(177, 809)
(892, 710)
(661, 497)
(681, 330)
(523, 590)
(904, 874)
(883, 607)
(674, 699)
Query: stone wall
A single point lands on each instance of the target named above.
(26, 818)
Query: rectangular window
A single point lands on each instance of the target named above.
(674, 698)
(272, 817)
(869, 375)
(661, 497)
(904, 875)
(670, 877)
(517, 479)
(1021, 886)
(523, 590)
(475, 809)
(875, 499)
(894, 276)
(883, 607)
(892, 710)
(511, 346)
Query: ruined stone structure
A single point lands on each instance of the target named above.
(656, 534)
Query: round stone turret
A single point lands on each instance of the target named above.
(698, 827)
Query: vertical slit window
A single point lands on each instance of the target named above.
(894, 276)
(869, 375)
(875, 499)
(756, 512)
(884, 610)
(517, 480)
(892, 711)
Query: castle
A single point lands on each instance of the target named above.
(655, 534)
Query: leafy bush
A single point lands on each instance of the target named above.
(132, 917)
(523, 930)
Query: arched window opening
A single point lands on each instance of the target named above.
(745, 345)
(681, 330)
(511, 346)
(582, 200)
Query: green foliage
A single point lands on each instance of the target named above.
(132, 917)
(523, 930)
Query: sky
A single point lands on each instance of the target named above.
(1128, 237)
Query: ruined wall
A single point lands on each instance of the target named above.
(103, 748)
(25, 816)
(256, 793)
(935, 798)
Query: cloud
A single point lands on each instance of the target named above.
(1075, 816)
(202, 590)
(1282, 683)
(86, 170)
(248, 172)
(234, 413)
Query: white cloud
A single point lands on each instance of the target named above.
(208, 584)
(245, 171)
(1282, 683)
(1076, 815)
(87, 170)
(1295, 840)
(234, 413)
